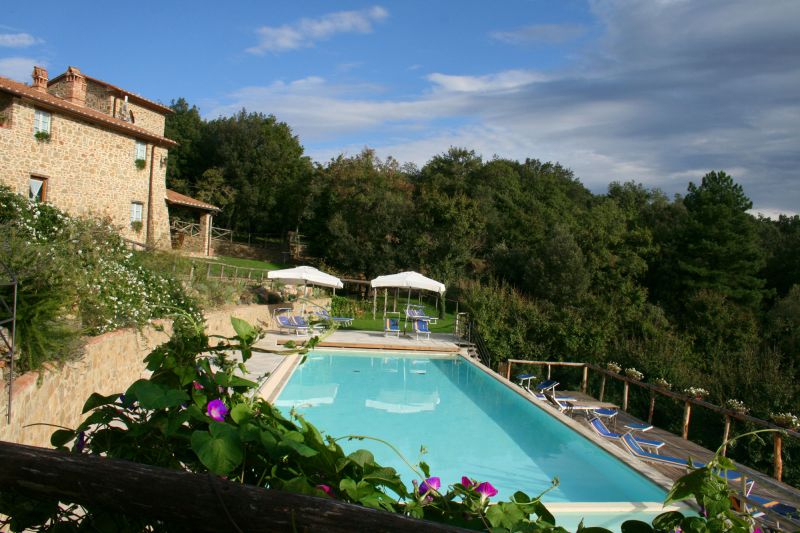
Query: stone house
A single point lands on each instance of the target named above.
(89, 148)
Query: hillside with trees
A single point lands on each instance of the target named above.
(692, 289)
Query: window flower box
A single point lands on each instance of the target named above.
(634, 374)
(786, 420)
(736, 405)
(663, 383)
(696, 393)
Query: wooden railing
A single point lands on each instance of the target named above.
(200, 502)
(688, 403)
(222, 272)
(189, 228)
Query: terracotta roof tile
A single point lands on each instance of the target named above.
(54, 103)
(181, 199)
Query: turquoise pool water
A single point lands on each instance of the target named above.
(470, 424)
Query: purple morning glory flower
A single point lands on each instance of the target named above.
(197, 386)
(486, 490)
(467, 482)
(217, 410)
(431, 483)
(324, 488)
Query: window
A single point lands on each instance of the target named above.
(41, 122)
(141, 151)
(136, 211)
(37, 189)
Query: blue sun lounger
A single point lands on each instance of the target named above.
(340, 320)
(636, 450)
(603, 431)
(391, 326)
(284, 324)
(775, 506)
(421, 328)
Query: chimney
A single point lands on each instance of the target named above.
(40, 79)
(75, 83)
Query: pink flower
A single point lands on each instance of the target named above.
(325, 488)
(467, 482)
(217, 410)
(197, 385)
(432, 483)
(486, 490)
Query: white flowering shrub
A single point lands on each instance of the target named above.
(83, 264)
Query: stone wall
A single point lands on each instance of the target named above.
(111, 363)
(90, 171)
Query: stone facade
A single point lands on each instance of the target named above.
(89, 167)
(111, 363)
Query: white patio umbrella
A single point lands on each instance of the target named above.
(405, 280)
(307, 276)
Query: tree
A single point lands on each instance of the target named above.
(720, 246)
(782, 241)
(264, 163)
(186, 161)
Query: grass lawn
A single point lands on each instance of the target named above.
(366, 322)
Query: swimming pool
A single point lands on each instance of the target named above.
(469, 423)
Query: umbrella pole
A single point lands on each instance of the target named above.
(374, 302)
(396, 291)
(408, 302)
(385, 300)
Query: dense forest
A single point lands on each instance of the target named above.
(692, 289)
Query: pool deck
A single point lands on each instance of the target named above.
(676, 446)
(376, 340)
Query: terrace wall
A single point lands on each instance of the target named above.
(111, 363)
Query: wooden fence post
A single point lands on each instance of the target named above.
(602, 388)
(585, 380)
(687, 413)
(625, 396)
(778, 459)
(548, 371)
(652, 407)
(222, 271)
(208, 271)
(508, 371)
(191, 274)
(725, 434)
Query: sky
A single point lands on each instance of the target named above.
(654, 91)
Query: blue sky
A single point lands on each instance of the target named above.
(656, 91)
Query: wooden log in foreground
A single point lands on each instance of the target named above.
(196, 501)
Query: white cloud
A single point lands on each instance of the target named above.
(670, 91)
(18, 68)
(540, 34)
(18, 40)
(510, 79)
(306, 32)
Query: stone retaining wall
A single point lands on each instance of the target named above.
(111, 363)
